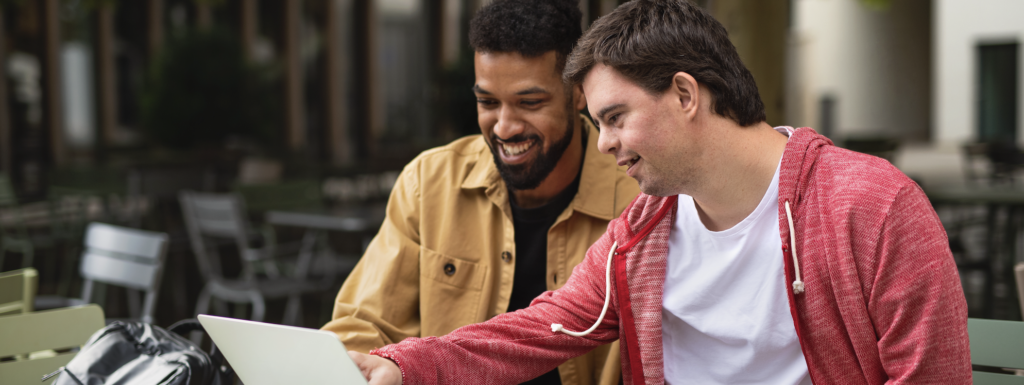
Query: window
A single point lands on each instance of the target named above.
(998, 94)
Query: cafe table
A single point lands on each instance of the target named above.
(1003, 206)
(362, 220)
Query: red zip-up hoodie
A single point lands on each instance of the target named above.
(877, 300)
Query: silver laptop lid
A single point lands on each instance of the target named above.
(269, 354)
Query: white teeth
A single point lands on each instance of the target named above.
(632, 162)
(516, 149)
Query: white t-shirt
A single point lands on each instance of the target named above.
(725, 311)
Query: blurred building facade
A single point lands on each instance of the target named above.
(370, 83)
(931, 75)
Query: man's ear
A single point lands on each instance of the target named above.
(579, 98)
(685, 88)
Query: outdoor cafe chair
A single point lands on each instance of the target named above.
(210, 218)
(35, 344)
(997, 344)
(119, 256)
(17, 290)
(1018, 273)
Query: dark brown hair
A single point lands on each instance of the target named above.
(649, 41)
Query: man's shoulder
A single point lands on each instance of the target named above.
(459, 150)
(843, 169)
(860, 185)
(442, 169)
(459, 156)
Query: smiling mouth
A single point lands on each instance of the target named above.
(633, 161)
(513, 149)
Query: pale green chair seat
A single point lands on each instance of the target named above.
(41, 342)
(997, 344)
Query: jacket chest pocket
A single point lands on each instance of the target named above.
(450, 293)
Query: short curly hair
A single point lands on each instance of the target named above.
(528, 27)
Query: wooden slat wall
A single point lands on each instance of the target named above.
(295, 119)
(337, 110)
(155, 25)
(5, 120)
(249, 24)
(53, 116)
(106, 75)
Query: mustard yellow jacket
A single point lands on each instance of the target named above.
(444, 257)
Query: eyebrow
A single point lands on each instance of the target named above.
(604, 111)
(533, 90)
(528, 91)
(479, 90)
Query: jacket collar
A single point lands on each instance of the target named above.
(596, 195)
(798, 162)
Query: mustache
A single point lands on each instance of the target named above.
(514, 138)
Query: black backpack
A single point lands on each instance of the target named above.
(125, 353)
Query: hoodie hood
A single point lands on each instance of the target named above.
(800, 156)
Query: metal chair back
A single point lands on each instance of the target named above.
(997, 344)
(125, 257)
(52, 331)
(17, 291)
(1018, 272)
(210, 216)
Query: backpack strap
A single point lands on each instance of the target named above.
(188, 325)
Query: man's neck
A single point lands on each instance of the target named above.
(739, 174)
(565, 172)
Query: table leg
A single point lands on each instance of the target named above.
(307, 252)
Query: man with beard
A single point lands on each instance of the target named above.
(484, 225)
(754, 254)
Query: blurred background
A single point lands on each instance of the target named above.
(288, 120)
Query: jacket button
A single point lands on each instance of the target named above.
(506, 256)
(449, 269)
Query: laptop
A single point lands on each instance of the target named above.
(269, 354)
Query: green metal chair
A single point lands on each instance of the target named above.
(1018, 273)
(17, 291)
(998, 344)
(35, 344)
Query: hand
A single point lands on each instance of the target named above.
(377, 370)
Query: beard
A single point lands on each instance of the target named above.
(529, 175)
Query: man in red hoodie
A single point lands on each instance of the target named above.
(754, 255)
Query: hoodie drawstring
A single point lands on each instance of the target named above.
(798, 285)
(555, 328)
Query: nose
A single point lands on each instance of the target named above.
(607, 141)
(509, 123)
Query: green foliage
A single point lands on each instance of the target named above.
(93, 4)
(202, 91)
(878, 5)
(10, 3)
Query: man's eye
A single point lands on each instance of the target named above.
(613, 119)
(530, 103)
(486, 102)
